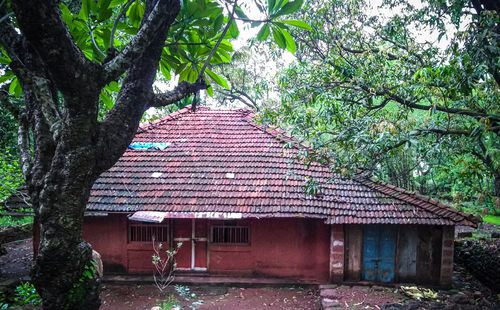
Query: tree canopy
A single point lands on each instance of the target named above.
(407, 93)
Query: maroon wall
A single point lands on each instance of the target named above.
(280, 247)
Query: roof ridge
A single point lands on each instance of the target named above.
(405, 195)
(276, 132)
(168, 117)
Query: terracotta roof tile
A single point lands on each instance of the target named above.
(221, 161)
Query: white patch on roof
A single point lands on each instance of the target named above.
(230, 175)
(156, 174)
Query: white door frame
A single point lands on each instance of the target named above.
(193, 241)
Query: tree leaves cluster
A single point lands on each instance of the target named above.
(380, 92)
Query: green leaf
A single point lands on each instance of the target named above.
(135, 13)
(218, 22)
(5, 60)
(210, 89)
(290, 43)
(290, 7)
(240, 13)
(217, 78)
(66, 15)
(233, 30)
(263, 33)
(15, 88)
(271, 4)
(6, 76)
(297, 23)
(165, 69)
(85, 10)
(113, 86)
(106, 99)
(279, 38)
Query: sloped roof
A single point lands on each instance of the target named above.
(221, 161)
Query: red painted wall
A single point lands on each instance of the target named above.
(279, 247)
(108, 236)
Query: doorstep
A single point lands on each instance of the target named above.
(205, 278)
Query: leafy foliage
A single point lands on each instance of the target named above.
(369, 93)
(26, 295)
(10, 174)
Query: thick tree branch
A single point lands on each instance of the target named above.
(34, 78)
(24, 145)
(184, 89)
(241, 96)
(118, 128)
(414, 105)
(161, 12)
(68, 66)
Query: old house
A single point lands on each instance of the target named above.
(233, 192)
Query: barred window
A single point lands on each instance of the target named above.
(230, 234)
(144, 232)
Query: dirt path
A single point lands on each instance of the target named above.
(17, 262)
(144, 297)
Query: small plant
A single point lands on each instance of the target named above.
(187, 295)
(171, 302)
(77, 292)
(163, 274)
(26, 294)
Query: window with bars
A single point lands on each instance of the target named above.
(144, 232)
(230, 234)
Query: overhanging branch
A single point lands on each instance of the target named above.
(181, 91)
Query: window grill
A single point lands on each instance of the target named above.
(144, 232)
(230, 235)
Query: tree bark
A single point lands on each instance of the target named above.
(70, 147)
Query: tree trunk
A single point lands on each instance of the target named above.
(62, 273)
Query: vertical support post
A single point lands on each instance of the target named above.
(448, 239)
(193, 243)
(337, 253)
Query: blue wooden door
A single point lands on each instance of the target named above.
(379, 247)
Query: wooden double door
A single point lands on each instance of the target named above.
(193, 234)
(379, 247)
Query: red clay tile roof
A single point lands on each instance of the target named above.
(220, 161)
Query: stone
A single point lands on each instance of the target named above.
(323, 286)
(327, 302)
(99, 268)
(377, 288)
(495, 234)
(156, 308)
(459, 299)
(330, 293)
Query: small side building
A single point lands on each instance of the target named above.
(234, 193)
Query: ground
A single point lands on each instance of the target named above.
(15, 264)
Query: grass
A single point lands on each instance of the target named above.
(492, 219)
(15, 220)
